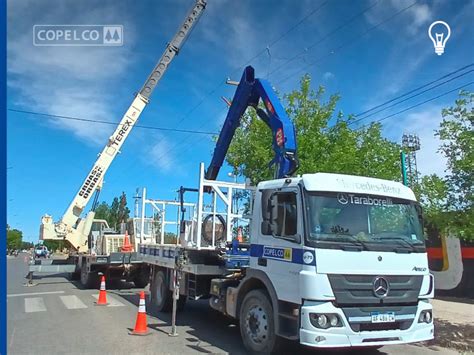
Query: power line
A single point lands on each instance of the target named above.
(412, 91)
(351, 41)
(186, 144)
(283, 35)
(361, 35)
(414, 106)
(195, 107)
(193, 144)
(337, 29)
(258, 54)
(410, 97)
(327, 35)
(419, 104)
(278, 39)
(111, 123)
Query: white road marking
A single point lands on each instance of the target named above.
(112, 302)
(33, 294)
(34, 304)
(72, 302)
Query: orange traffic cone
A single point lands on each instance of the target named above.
(141, 327)
(126, 247)
(240, 238)
(102, 300)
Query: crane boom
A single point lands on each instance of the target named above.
(249, 92)
(69, 227)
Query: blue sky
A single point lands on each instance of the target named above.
(48, 158)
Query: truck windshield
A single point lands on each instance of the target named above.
(366, 222)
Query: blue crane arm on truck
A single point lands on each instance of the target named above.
(249, 93)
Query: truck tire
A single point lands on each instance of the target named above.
(161, 293)
(142, 279)
(257, 326)
(88, 279)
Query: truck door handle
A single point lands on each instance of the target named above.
(262, 261)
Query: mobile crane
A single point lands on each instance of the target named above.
(333, 261)
(73, 229)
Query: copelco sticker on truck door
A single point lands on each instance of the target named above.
(277, 253)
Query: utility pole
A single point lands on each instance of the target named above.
(411, 144)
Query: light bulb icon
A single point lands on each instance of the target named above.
(439, 41)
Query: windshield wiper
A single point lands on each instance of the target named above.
(340, 237)
(411, 246)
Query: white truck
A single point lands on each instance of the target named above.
(95, 247)
(330, 260)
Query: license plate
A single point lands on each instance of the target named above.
(388, 317)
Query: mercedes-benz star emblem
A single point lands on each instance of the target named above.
(342, 198)
(381, 287)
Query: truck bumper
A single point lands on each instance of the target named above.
(345, 337)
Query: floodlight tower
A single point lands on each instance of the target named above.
(411, 144)
(137, 198)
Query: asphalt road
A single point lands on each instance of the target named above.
(57, 316)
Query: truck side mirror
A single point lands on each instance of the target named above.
(419, 210)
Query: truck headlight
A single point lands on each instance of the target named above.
(333, 320)
(324, 321)
(425, 317)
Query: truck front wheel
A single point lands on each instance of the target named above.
(257, 326)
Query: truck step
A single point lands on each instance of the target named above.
(192, 285)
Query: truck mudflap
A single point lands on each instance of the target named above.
(343, 334)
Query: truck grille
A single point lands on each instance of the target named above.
(358, 290)
(359, 318)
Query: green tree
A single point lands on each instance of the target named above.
(432, 193)
(14, 238)
(325, 143)
(27, 245)
(54, 245)
(102, 211)
(170, 238)
(457, 135)
(115, 213)
(123, 211)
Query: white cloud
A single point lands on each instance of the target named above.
(160, 154)
(328, 76)
(408, 35)
(235, 29)
(413, 19)
(421, 15)
(68, 81)
(235, 35)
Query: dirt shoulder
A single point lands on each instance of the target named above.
(454, 324)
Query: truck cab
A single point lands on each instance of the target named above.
(341, 259)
